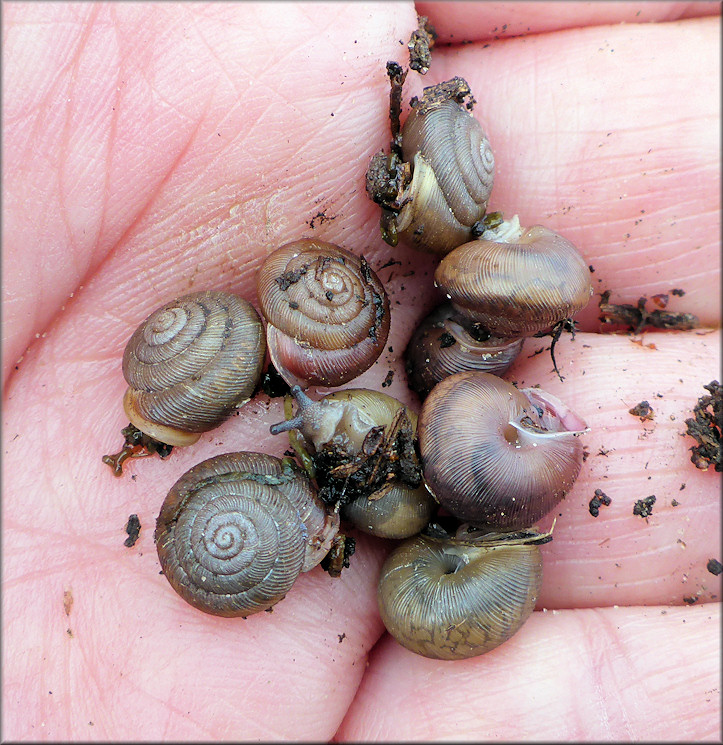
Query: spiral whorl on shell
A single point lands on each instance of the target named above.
(190, 363)
(327, 313)
(235, 531)
(434, 186)
(452, 176)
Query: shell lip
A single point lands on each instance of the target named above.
(550, 407)
(468, 534)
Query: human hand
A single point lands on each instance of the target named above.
(152, 150)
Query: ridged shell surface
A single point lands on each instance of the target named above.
(441, 346)
(235, 531)
(448, 602)
(491, 456)
(516, 288)
(193, 361)
(327, 312)
(453, 173)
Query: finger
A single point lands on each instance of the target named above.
(587, 140)
(459, 22)
(619, 558)
(189, 173)
(57, 403)
(570, 675)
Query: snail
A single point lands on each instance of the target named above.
(327, 313)
(445, 343)
(235, 531)
(452, 598)
(188, 366)
(516, 281)
(363, 456)
(442, 186)
(496, 455)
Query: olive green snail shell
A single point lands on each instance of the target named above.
(451, 600)
(340, 422)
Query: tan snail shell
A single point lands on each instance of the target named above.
(452, 175)
(450, 599)
(327, 313)
(344, 432)
(496, 455)
(445, 343)
(236, 530)
(190, 364)
(517, 285)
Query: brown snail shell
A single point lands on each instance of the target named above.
(450, 599)
(445, 343)
(452, 176)
(348, 432)
(235, 531)
(190, 364)
(519, 285)
(496, 455)
(327, 313)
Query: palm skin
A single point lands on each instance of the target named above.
(154, 150)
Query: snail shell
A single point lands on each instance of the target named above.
(496, 455)
(190, 364)
(327, 313)
(235, 531)
(452, 176)
(519, 287)
(450, 600)
(445, 343)
(340, 429)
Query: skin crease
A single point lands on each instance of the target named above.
(154, 150)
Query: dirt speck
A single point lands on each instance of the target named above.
(644, 507)
(133, 528)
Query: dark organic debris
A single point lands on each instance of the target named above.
(342, 549)
(133, 528)
(272, 384)
(714, 566)
(136, 444)
(706, 428)
(644, 507)
(637, 317)
(388, 454)
(600, 499)
(643, 410)
(420, 46)
(690, 600)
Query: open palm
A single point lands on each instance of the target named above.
(153, 150)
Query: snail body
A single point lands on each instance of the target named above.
(496, 455)
(235, 531)
(450, 599)
(452, 169)
(445, 343)
(362, 445)
(327, 313)
(190, 364)
(516, 284)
